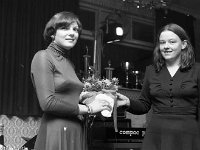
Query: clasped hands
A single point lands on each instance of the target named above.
(103, 100)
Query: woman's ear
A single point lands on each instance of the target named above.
(52, 37)
(184, 44)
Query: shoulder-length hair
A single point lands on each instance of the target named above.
(187, 54)
(58, 21)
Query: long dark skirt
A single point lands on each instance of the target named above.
(61, 134)
(172, 132)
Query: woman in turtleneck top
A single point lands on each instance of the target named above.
(58, 88)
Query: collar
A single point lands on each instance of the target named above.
(58, 50)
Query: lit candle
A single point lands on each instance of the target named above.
(65, 138)
(127, 65)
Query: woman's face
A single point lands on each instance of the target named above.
(67, 37)
(171, 46)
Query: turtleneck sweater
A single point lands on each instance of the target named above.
(57, 86)
(58, 90)
(59, 50)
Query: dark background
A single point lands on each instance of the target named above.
(21, 27)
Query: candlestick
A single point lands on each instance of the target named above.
(137, 84)
(109, 71)
(95, 51)
(65, 138)
(86, 65)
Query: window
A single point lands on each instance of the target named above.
(142, 32)
(87, 18)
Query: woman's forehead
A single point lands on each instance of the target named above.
(168, 35)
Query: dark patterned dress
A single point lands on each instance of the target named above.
(174, 123)
(58, 89)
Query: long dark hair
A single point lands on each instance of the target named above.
(187, 54)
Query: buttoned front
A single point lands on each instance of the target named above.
(181, 90)
(170, 92)
(175, 105)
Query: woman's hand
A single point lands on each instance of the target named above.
(98, 105)
(122, 100)
(84, 96)
(111, 93)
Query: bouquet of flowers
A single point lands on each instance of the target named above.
(96, 86)
(101, 89)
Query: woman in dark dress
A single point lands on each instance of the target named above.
(171, 89)
(58, 88)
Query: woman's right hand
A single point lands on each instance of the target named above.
(122, 100)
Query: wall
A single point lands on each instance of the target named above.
(15, 128)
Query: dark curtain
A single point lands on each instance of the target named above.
(165, 16)
(21, 26)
